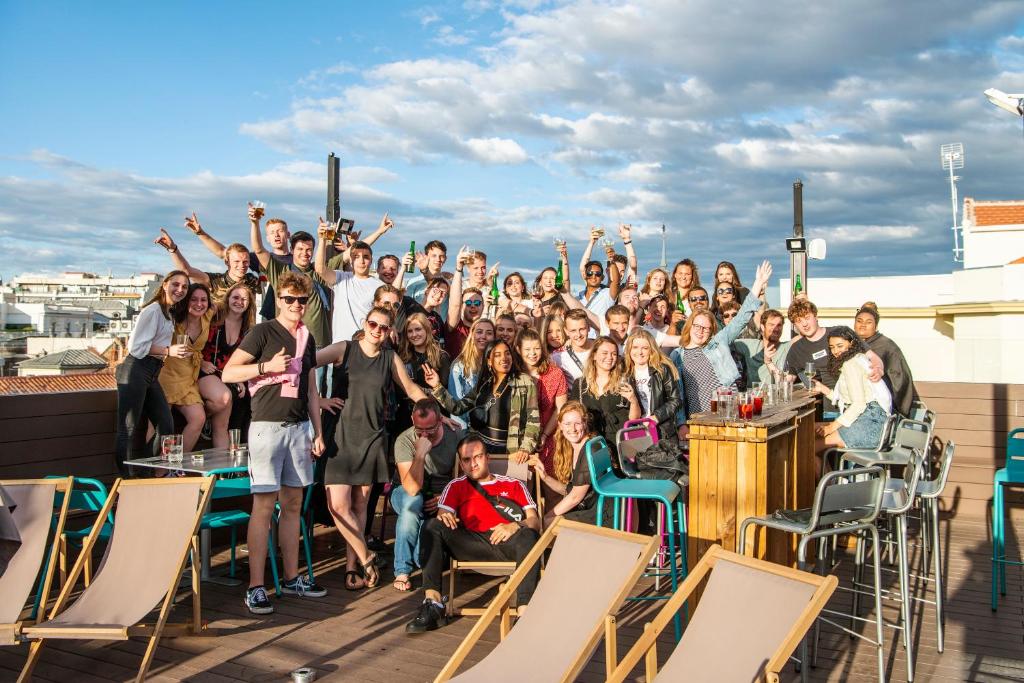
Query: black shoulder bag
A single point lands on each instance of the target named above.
(508, 509)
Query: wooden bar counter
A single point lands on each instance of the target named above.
(741, 469)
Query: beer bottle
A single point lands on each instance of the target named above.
(493, 308)
(558, 276)
(798, 286)
(412, 252)
(679, 302)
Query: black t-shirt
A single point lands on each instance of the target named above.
(262, 343)
(607, 414)
(802, 351)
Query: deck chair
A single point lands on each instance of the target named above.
(750, 618)
(589, 574)
(509, 468)
(34, 501)
(155, 526)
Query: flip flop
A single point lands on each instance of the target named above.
(371, 575)
(402, 585)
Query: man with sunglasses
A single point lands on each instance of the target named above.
(424, 461)
(353, 290)
(278, 360)
(698, 299)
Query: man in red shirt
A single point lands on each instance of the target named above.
(469, 527)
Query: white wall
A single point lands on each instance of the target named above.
(992, 245)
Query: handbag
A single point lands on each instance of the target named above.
(507, 508)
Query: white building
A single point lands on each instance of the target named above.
(962, 326)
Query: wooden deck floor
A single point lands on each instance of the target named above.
(359, 636)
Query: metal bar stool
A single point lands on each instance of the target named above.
(845, 501)
(1012, 474)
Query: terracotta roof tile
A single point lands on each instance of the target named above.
(995, 213)
(56, 384)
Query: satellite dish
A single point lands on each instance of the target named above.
(1011, 103)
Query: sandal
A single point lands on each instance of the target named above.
(353, 581)
(402, 585)
(371, 575)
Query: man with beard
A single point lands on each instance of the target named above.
(766, 355)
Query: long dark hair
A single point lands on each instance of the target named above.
(835, 363)
(179, 311)
(486, 378)
(159, 299)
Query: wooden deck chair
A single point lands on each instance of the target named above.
(590, 573)
(498, 465)
(156, 523)
(750, 618)
(34, 501)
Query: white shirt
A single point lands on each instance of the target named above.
(353, 299)
(568, 364)
(642, 380)
(151, 327)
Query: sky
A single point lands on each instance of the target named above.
(504, 125)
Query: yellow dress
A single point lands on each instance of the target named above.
(179, 377)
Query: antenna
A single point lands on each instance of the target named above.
(664, 238)
(952, 156)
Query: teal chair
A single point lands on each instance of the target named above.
(88, 495)
(1012, 474)
(228, 519)
(609, 486)
(305, 531)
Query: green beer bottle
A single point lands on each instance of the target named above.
(412, 252)
(798, 286)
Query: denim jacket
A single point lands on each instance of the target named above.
(717, 350)
(460, 382)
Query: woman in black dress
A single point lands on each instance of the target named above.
(361, 460)
(606, 391)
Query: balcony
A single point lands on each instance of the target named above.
(360, 635)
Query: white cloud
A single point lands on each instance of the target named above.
(496, 151)
(876, 234)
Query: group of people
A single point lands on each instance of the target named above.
(410, 374)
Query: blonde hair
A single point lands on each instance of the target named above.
(646, 289)
(406, 348)
(590, 369)
(563, 450)
(248, 317)
(658, 359)
(684, 336)
(470, 356)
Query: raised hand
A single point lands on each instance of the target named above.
(192, 223)
(764, 273)
(624, 230)
(279, 363)
(385, 223)
(421, 260)
(165, 241)
(254, 214)
(595, 234)
(322, 228)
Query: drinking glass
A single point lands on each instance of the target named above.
(240, 456)
(259, 208)
(197, 457)
(234, 439)
(181, 339)
(175, 453)
(787, 389)
(599, 232)
(166, 446)
(559, 243)
(715, 397)
(810, 371)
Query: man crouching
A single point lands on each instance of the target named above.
(476, 520)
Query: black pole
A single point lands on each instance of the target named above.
(333, 188)
(798, 209)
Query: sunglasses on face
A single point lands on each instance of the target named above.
(301, 300)
(726, 290)
(473, 302)
(374, 325)
(695, 299)
(593, 273)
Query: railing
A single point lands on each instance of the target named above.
(73, 433)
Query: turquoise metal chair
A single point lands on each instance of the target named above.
(88, 495)
(305, 531)
(1012, 474)
(609, 485)
(228, 487)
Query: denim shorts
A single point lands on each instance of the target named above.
(866, 430)
(279, 455)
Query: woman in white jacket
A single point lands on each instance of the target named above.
(865, 405)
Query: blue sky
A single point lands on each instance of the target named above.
(504, 125)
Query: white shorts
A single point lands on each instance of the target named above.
(279, 455)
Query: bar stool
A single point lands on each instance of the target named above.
(666, 493)
(928, 493)
(845, 501)
(1012, 474)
